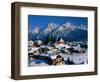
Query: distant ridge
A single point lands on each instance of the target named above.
(53, 31)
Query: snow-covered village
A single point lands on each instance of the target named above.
(58, 44)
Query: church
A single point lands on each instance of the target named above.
(61, 44)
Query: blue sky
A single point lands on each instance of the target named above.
(42, 21)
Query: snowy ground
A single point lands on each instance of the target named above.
(76, 58)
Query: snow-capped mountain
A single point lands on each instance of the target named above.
(50, 27)
(54, 31)
(32, 35)
(35, 30)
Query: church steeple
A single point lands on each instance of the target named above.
(61, 41)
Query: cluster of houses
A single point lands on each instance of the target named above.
(59, 53)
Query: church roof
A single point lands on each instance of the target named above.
(61, 40)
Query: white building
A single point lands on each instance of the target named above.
(61, 44)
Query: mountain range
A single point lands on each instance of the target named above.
(53, 32)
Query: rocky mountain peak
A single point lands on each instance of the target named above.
(36, 30)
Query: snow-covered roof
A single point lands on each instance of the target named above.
(49, 47)
(62, 45)
(30, 51)
(67, 46)
(44, 54)
(76, 47)
(49, 52)
(35, 48)
(53, 56)
(78, 59)
(43, 46)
